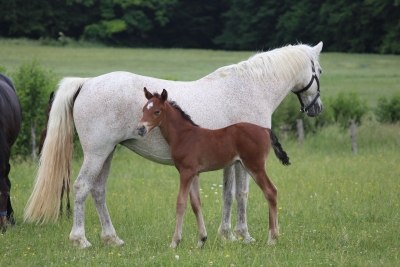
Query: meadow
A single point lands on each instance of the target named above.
(335, 208)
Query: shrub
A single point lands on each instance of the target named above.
(348, 106)
(389, 109)
(32, 82)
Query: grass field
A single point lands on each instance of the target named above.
(335, 208)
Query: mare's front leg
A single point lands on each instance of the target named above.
(242, 194)
(90, 170)
(196, 207)
(98, 191)
(186, 179)
(228, 194)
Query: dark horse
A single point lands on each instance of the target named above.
(10, 126)
(43, 135)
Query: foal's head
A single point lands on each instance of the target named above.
(153, 111)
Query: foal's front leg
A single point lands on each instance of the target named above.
(186, 179)
(196, 207)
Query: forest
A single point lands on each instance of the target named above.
(356, 26)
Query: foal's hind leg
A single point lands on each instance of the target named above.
(270, 192)
(196, 207)
(98, 191)
(228, 193)
(242, 194)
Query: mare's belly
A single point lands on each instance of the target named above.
(152, 147)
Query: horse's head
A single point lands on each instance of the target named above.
(153, 111)
(4, 194)
(308, 90)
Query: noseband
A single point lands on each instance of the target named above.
(305, 108)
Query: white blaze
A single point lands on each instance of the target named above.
(150, 105)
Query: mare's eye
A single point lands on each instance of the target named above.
(157, 112)
(320, 71)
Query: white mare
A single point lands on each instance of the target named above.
(106, 111)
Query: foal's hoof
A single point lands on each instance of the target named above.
(272, 238)
(201, 242)
(174, 244)
(113, 241)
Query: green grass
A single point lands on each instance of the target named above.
(335, 208)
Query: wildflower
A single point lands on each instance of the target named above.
(177, 257)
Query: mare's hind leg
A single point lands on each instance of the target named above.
(98, 191)
(90, 170)
(228, 193)
(242, 193)
(196, 207)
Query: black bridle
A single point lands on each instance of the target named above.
(305, 108)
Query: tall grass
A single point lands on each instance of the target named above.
(335, 208)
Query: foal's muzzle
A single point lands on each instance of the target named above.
(141, 130)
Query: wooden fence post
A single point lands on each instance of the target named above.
(353, 136)
(300, 131)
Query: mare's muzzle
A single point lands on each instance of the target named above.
(141, 130)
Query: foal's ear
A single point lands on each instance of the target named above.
(147, 94)
(164, 95)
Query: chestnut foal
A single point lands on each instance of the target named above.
(195, 150)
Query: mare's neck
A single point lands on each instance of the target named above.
(173, 126)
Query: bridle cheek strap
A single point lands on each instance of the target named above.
(305, 108)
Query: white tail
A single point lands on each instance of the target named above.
(56, 158)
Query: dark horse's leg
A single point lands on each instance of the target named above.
(10, 211)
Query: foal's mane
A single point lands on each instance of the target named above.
(183, 113)
(278, 64)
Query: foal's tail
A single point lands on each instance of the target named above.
(280, 154)
(56, 157)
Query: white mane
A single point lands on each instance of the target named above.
(277, 64)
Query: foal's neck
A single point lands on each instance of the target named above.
(173, 126)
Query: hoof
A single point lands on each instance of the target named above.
(113, 241)
(248, 240)
(272, 238)
(244, 236)
(174, 244)
(81, 243)
(226, 236)
(201, 242)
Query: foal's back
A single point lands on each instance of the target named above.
(216, 149)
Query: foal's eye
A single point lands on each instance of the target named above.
(157, 112)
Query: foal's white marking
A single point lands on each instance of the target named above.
(150, 105)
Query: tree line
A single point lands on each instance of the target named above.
(359, 26)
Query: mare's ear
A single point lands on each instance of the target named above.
(51, 96)
(147, 94)
(164, 95)
(318, 48)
